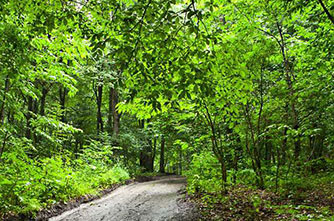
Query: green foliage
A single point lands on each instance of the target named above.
(246, 176)
(237, 92)
(204, 174)
(28, 185)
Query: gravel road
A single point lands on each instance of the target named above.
(149, 201)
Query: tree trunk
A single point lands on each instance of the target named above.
(223, 176)
(329, 15)
(35, 111)
(110, 112)
(2, 109)
(43, 101)
(254, 151)
(180, 161)
(288, 78)
(162, 155)
(28, 116)
(235, 167)
(3, 145)
(116, 115)
(147, 153)
(153, 151)
(99, 121)
(62, 100)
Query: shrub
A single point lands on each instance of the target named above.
(204, 175)
(27, 185)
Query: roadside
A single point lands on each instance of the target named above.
(246, 203)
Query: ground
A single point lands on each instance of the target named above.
(148, 201)
(243, 203)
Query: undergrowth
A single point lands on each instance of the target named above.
(304, 195)
(27, 185)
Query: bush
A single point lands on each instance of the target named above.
(246, 176)
(27, 185)
(204, 175)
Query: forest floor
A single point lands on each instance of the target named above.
(160, 199)
(245, 203)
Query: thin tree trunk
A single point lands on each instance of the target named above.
(254, 152)
(43, 101)
(3, 144)
(116, 115)
(35, 111)
(62, 99)
(180, 160)
(99, 124)
(2, 109)
(288, 75)
(110, 112)
(153, 153)
(331, 18)
(223, 175)
(162, 155)
(29, 115)
(235, 167)
(277, 169)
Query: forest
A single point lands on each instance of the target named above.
(235, 95)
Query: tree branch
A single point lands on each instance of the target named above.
(326, 11)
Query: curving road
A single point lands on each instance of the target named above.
(157, 200)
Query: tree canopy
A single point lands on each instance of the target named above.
(225, 92)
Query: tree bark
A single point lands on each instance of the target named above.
(2, 109)
(110, 112)
(43, 101)
(180, 161)
(62, 101)
(153, 151)
(330, 17)
(29, 116)
(162, 155)
(288, 78)
(99, 121)
(3, 144)
(116, 115)
(254, 152)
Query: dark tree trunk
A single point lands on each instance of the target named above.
(62, 100)
(329, 15)
(236, 157)
(284, 144)
(2, 109)
(10, 117)
(43, 101)
(110, 112)
(99, 125)
(29, 116)
(35, 111)
(268, 149)
(288, 78)
(180, 161)
(254, 152)
(162, 155)
(4, 144)
(146, 155)
(153, 154)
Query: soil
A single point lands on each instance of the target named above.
(161, 199)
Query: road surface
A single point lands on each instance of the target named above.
(158, 200)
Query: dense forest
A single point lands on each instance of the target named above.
(235, 95)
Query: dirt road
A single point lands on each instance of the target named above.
(148, 201)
